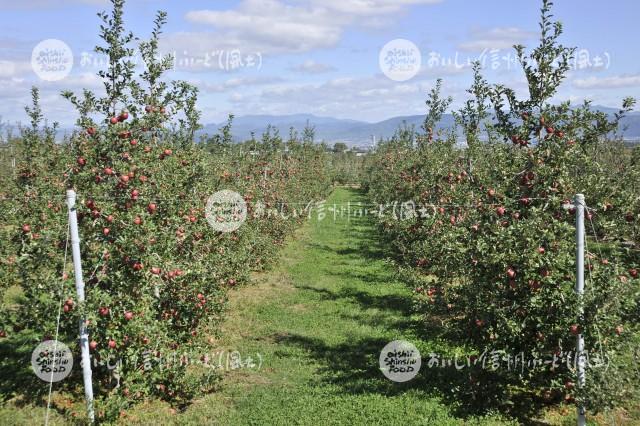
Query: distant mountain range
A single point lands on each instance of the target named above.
(332, 130)
(357, 133)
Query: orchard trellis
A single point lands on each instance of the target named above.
(82, 321)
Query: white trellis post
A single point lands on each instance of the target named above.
(580, 207)
(84, 334)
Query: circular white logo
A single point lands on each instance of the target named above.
(52, 361)
(400, 60)
(226, 211)
(52, 60)
(400, 361)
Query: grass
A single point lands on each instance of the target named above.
(318, 321)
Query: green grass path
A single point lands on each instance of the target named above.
(319, 320)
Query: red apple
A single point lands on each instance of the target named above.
(619, 330)
(106, 231)
(103, 311)
(26, 228)
(137, 220)
(501, 211)
(91, 131)
(110, 218)
(574, 329)
(108, 171)
(633, 273)
(112, 343)
(137, 266)
(155, 270)
(114, 120)
(152, 207)
(542, 250)
(93, 345)
(123, 116)
(133, 142)
(128, 316)
(81, 161)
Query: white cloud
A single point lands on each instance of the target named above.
(237, 97)
(496, 38)
(234, 83)
(11, 69)
(50, 4)
(614, 82)
(367, 98)
(15, 91)
(275, 26)
(312, 67)
(40, 4)
(369, 7)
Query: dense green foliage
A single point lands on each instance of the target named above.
(487, 232)
(156, 273)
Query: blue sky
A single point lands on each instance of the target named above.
(321, 56)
